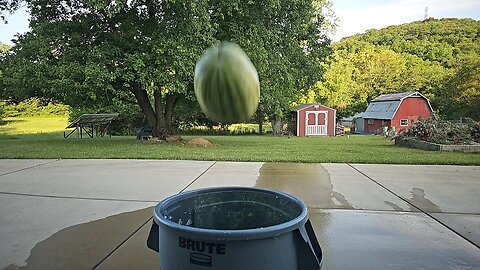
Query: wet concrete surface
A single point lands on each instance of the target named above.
(352, 239)
(466, 225)
(83, 246)
(386, 240)
(360, 192)
(223, 174)
(451, 190)
(418, 200)
(309, 182)
(360, 224)
(318, 185)
(434, 189)
(26, 221)
(134, 254)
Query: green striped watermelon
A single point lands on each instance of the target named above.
(226, 84)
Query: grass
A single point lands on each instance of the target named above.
(33, 125)
(354, 149)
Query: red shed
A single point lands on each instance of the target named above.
(394, 111)
(313, 119)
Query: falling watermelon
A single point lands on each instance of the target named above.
(226, 84)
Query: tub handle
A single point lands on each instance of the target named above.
(308, 248)
(152, 240)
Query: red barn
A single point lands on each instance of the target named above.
(395, 111)
(313, 119)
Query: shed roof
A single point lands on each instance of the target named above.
(303, 106)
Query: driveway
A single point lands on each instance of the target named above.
(96, 214)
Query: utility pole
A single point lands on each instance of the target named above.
(426, 13)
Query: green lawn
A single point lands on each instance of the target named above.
(40, 137)
(356, 149)
(33, 125)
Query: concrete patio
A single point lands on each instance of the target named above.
(96, 214)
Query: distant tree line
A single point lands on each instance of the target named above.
(439, 58)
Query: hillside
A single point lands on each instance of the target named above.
(440, 58)
(442, 40)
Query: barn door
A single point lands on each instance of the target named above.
(316, 123)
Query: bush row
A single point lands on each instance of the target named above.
(33, 107)
(437, 130)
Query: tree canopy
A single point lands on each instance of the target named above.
(98, 53)
(286, 40)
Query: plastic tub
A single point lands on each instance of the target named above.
(234, 228)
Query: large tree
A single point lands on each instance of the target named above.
(285, 40)
(93, 53)
(89, 53)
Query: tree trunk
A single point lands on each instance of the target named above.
(159, 117)
(277, 125)
(260, 119)
(160, 128)
(169, 106)
(144, 103)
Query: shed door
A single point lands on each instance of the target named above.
(316, 123)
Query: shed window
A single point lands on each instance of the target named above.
(403, 122)
(371, 121)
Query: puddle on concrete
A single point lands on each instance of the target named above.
(309, 182)
(394, 206)
(83, 246)
(418, 199)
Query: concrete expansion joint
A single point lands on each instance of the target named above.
(30, 167)
(149, 219)
(196, 178)
(121, 244)
(363, 210)
(75, 197)
(414, 206)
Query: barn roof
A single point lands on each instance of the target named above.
(385, 106)
(381, 110)
(392, 97)
(303, 106)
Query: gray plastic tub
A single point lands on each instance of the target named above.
(234, 228)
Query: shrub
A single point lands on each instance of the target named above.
(475, 131)
(2, 113)
(437, 130)
(35, 107)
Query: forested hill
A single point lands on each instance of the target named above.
(441, 40)
(438, 57)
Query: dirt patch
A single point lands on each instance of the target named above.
(174, 138)
(200, 142)
(170, 139)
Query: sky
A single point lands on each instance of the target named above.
(355, 16)
(358, 16)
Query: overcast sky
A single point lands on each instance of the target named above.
(354, 16)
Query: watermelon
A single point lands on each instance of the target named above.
(226, 84)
